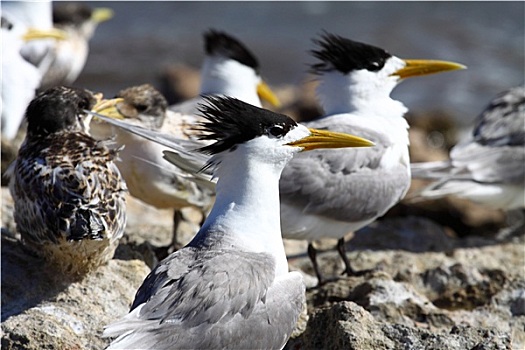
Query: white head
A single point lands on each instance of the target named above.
(250, 135)
(358, 78)
(230, 69)
(252, 146)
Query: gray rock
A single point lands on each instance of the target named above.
(41, 310)
(346, 325)
(426, 290)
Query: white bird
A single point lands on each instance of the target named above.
(489, 166)
(69, 203)
(20, 79)
(229, 69)
(148, 175)
(329, 194)
(64, 62)
(230, 287)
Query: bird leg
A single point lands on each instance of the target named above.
(312, 254)
(162, 252)
(349, 271)
(177, 218)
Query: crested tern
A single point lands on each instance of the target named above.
(69, 196)
(20, 79)
(329, 194)
(230, 287)
(67, 58)
(229, 69)
(489, 166)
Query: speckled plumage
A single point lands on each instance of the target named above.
(68, 193)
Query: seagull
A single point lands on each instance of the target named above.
(65, 62)
(230, 287)
(487, 167)
(69, 196)
(329, 194)
(20, 79)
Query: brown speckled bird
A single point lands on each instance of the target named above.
(68, 192)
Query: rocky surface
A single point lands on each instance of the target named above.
(426, 288)
(438, 275)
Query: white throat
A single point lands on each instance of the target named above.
(246, 213)
(225, 76)
(361, 92)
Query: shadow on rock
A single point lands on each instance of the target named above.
(26, 280)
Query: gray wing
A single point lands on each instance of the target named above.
(344, 184)
(494, 154)
(488, 164)
(210, 299)
(503, 121)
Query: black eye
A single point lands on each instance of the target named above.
(276, 130)
(141, 107)
(84, 104)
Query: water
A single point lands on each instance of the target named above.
(145, 37)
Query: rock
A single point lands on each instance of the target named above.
(43, 311)
(469, 296)
(427, 288)
(345, 325)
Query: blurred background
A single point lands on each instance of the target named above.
(144, 38)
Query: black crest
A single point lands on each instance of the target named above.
(230, 122)
(345, 55)
(71, 13)
(220, 43)
(56, 109)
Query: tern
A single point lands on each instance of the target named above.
(230, 287)
(488, 167)
(329, 194)
(229, 69)
(20, 79)
(148, 175)
(64, 63)
(69, 196)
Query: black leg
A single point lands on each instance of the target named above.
(312, 253)
(342, 252)
(349, 271)
(163, 252)
(177, 218)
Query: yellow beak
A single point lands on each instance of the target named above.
(265, 93)
(415, 68)
(51, 33)
(330, 139)
(109, 108)
(101, 14)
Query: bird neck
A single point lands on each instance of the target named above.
(225, 76)
(358, 93)
(246, 213)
